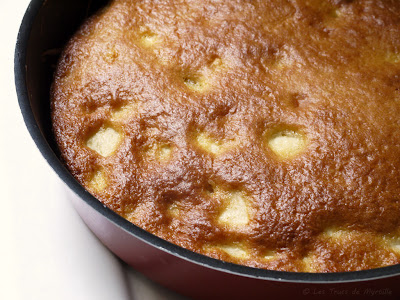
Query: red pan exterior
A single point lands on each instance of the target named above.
(46, 27)
(201, 282)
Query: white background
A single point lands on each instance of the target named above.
(46, 251)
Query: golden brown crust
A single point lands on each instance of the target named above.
(171, 76)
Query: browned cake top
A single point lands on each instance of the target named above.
(265, 133)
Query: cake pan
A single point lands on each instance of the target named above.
(46, 27)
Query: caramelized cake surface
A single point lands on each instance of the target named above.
(264, 133)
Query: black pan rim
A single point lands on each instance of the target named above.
(20, 72)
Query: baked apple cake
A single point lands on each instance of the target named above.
(263, 133)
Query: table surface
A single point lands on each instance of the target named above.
(47, 252)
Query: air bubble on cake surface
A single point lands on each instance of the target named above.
(210, 187)
(335, 13)
(164, 152)
(309, 263)
(332, 232)
(173, 210)
(396, 247)
(270, 255)
(393, 57)
(149, 39)
(110, 55)
(282, 59)
(200, 80)
(209, 144)
(98, 181)
(195, 82)
(139, 212)
(105, 141)
(217, 63)
(235, 212)
(395, 244)
(335, 233)
(124, 112)
(212, 145)
(235, 250)
(287, 143)
(160, 151)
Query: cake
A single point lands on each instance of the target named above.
(262, 133)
